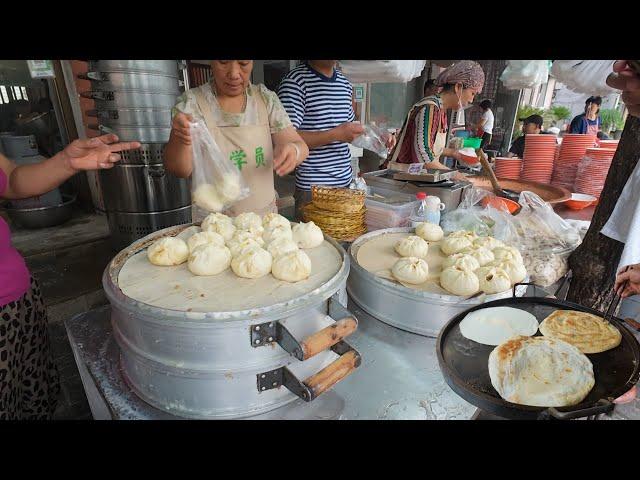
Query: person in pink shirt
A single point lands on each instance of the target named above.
(28, 376)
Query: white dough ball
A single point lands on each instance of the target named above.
(429, 231)
(272, 220)
(281, 246)
(487, 242)
(463, 234)
(481, 254)
(463, 260)
(459, 281)
(507, 253)
(307, 235)
(240, 247)
(253, 263)
(168, 251)
(412, 246)
(206, 197)
(516, 270)
(493, 280)
(219, 225)
(248, 221)
(209, 259)
(202, 238)
(451, 245)
(292, 267)
(241, 235)
(229, 189)
(412, 270)
(214, 218)
(278, 232)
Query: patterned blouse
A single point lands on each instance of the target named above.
(278, 118)
(430, 120)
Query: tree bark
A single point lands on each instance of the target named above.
(595, 261)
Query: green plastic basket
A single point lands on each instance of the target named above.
(472, 142)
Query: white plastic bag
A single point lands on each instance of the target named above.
(519, 74)
(584, 76)
(373, 139)
(378, 71)
(216, 183)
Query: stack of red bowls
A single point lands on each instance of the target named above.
(610, 144)
(509, 168)
(593, 170)
(539, 151)
(572, 149)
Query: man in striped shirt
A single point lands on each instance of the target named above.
(319, 101)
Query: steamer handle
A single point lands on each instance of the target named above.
(602, 406)
(330, 375)
(518, 284)
(326, 338)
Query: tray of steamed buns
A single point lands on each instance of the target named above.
(534, 357)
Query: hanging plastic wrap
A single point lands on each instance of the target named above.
(216, 183)
(382, 71)
(373, 139)
(584, 76)
(519, 74)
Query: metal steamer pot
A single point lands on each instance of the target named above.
(133, 116)
(148, 81)
(131, 99)
(132, 133)
(415, 311)
(232, 364)
(162, 67)
(143, 188)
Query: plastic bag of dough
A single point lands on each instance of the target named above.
(373, 139)
(216, 181)
(519, 74)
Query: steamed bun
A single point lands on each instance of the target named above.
(202, 238)
(463, 260)
(459, 281)
(209, 259)
(252, 263)
(493, 280)
(429, 231)
(219, 223)
(270, 235)
(248, 221)
(281, 246)
(206, 197)
(516, 270)
(451, 245)
(412, 246)
(307, 235)
(168, 251)
(292, 267)
(412, 270)
(272, 220)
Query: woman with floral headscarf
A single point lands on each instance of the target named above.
(423, 135)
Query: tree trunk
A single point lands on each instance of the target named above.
(595, 261)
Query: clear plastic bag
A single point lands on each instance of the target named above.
(584, 76)
(373, 139)
(216, 183)
(519, 74)
(376, 71)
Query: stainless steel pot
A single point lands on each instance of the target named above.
(146, 81)
(232, 364)
(412, 310)
(131, 99)
(125, 228)
(148, 117)
(16, 146)
(138, 188)
(140, 134)
(163, 67)
(147, 154)
(43, 217)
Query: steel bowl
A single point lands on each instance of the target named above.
(42, 217)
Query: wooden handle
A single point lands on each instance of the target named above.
(631, 322)
(332, 374)
(328, 337)
(490, 174)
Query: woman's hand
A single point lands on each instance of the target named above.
(286, 157)
(390, 141)
(632, 277)
(181, 127)
(628, 80)
(94, 153)
(349, 131)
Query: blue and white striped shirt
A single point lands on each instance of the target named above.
(316, 103)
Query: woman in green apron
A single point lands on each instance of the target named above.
(250, 126)
(424, 133)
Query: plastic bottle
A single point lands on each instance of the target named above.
(419, 214)
(428, 210)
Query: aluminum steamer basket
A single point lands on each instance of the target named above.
(415, 311)
(232, 364)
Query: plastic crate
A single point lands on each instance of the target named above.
(394, 210)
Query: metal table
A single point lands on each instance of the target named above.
(399, 379)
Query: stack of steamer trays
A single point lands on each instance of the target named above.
(539, 153)
(572, 150)
(593, 171)
(339, 212)
(538, 358)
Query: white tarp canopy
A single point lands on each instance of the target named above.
(382, 71)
